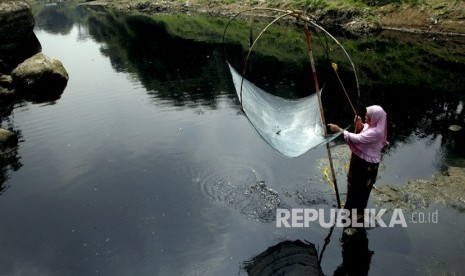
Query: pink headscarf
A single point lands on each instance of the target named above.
(372, 139)
(378, 121)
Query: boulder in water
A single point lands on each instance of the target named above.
(8, 138)
(17, 39)
(40, 78)
(455, 128)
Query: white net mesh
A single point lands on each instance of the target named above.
(292, 127)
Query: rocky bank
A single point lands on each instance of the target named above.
(25, 72)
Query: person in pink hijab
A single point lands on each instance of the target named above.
(366, 145)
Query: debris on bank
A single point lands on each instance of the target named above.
(447, 188)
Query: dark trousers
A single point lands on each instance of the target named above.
(360, 179)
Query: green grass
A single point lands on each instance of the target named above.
(218, 1)
(378, 60)
(386, 2)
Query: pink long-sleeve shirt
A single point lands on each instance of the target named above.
(372, 139)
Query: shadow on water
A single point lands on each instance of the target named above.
(302, 258)
(9, 161)
(356, 257)
(9, 156)
(286, 258)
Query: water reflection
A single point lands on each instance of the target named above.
(55, 17)
(9, 156)
(286, 258)
(301, 258)
(180, 71)
(356, 257)
(9, 162)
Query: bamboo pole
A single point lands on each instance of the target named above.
(317, 89)
(334, 65)
(299, 15)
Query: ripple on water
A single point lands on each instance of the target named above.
(262, 202)
(225, 185)
(240, 188)
(197, 270)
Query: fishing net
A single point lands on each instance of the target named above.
(291, 127)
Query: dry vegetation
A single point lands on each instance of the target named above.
(443, 16)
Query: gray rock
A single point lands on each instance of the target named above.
(455, 128)
(17, 39)
(6, 95)
(6, 89)
(16, 21)
(8, 138)
(348, 21)
(40, 77)
(6, 81)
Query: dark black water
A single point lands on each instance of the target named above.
(146, 166)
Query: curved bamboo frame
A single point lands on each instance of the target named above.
(306, 20)
(300, 16)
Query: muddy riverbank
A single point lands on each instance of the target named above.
(446, 188)
(430, 17)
